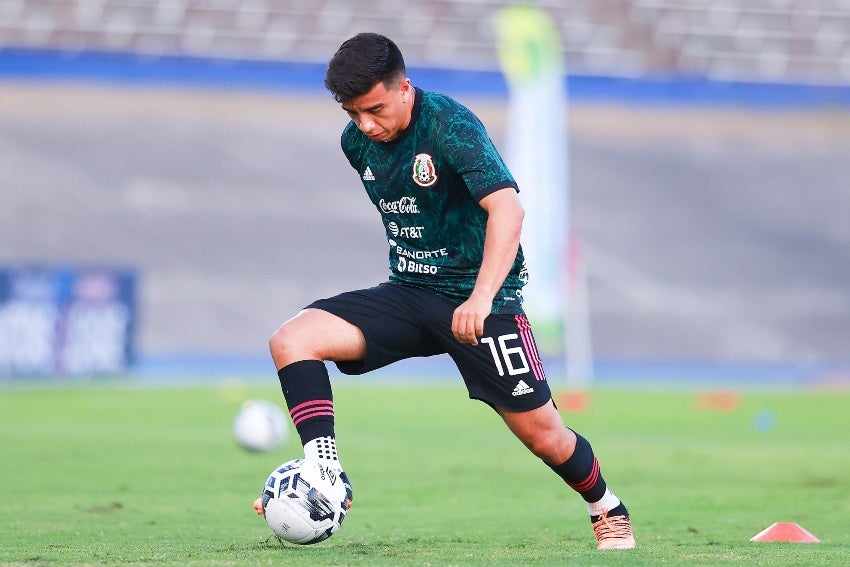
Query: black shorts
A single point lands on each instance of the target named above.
(401, 321)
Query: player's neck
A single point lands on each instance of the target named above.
(409, 110)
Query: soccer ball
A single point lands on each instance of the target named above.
(260, 426)
(304, 501)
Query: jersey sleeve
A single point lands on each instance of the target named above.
(349, 148)
(471, 154)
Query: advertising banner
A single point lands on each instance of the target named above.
(64, 321)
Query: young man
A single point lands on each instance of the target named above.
(453, 219)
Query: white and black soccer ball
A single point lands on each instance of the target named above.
(260, 426)
(304, 501)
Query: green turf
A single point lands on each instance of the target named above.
(120, 475)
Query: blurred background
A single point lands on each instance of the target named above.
(173, 189)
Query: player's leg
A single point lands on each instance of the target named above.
(505, 371)
(571, 457)
(299, 348)
(360, 331)
(314, 334)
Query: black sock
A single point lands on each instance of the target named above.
(581, 472)
(307, 389)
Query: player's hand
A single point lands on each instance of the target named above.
(468, 319)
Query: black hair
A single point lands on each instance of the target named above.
(360, 63)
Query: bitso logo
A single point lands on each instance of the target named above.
(424, 172)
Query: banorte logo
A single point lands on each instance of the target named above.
(404, 206)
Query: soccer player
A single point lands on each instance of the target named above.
(453, 220)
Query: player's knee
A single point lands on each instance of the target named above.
(549, 446)
(283, 345)
(540, 445)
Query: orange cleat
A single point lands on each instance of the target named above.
(258, 506)
(614, 532)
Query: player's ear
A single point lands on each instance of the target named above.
(405, 88)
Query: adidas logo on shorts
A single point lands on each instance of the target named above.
(522, 388)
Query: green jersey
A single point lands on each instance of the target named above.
(426, 184)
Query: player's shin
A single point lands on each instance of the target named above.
(307, 389)
(306, 386)
(581, 472)
(608, 516)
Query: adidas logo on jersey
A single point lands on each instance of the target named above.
(368, 175)
(522, 388)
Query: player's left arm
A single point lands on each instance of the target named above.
(501, 243)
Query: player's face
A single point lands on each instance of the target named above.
(381, 114)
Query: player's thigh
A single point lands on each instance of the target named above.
(389, 318)
(314, 334)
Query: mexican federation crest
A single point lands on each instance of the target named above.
(424, 172)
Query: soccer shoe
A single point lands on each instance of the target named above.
(258, 506)
(613, 532)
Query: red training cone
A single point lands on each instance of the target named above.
(785, 532)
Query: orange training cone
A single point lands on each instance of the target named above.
(718, 400)
(785, 532)
(574, 401)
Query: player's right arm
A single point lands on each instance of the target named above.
(501, 244)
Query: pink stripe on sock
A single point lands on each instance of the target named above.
(313, 408)
(305, 416)
(590, 481)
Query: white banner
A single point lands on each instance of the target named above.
(536, 150)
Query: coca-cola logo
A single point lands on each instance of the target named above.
(404, 206)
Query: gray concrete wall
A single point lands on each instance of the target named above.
(710, 234)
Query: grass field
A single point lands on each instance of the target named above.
(119, 475)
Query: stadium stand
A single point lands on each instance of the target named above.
(806, 41)
(713, 231)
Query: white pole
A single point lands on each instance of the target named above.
(531, 57)
(537, 151)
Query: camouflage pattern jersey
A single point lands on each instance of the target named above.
(426, 184)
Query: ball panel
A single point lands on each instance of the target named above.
(289, 524)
